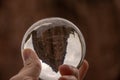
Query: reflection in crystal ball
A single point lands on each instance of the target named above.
(56, 41)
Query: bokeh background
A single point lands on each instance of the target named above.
(99, 21)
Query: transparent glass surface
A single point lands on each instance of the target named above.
(56, 41)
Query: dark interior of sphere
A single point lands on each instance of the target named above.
(50, 43)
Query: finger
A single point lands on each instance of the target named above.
(83, 70)
(32, 66)
(29, 57)
(67, 78)
(68, 70)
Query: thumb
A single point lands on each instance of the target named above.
(30, 57)
(32, 65)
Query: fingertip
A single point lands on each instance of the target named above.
(30, 57)
(65, 70)
(26, 54)
(29, 53)
(68, 70)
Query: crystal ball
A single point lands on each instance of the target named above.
(56, 41)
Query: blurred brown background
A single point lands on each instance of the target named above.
(99, 21)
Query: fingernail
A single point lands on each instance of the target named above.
(26, 54)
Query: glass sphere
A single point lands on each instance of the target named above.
(56, 41)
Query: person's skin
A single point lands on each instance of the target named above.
(32, 69)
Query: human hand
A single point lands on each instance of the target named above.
(32, 68)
